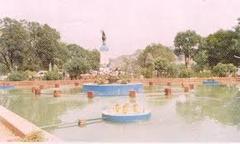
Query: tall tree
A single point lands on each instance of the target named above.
(47, 45)
(161, 65)
(81, 61)
(91, 56)
(13, 41)
(32, 46)
(221, 47)
(186, 43)
(147, 57)
(155, 50)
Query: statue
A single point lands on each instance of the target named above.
(103, 37)
(104, 48)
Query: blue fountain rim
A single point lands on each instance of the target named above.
(113, 84)
(210, 81)
(123, 118)
(7, 87)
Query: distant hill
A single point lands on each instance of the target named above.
(120, 61)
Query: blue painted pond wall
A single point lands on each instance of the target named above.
(112, 89)
(211, 82)
(6, 87)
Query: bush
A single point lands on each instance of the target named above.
(204, 73)
(223, 70)
(220, 70)
(52, 75)
(17, 76)
(173, 71)
(35, 136)
(186, 73)
(30, 74)
(231, 69)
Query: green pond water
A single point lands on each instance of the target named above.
(206, 114)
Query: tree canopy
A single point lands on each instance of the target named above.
(147, 57)
(81, 61)
(221, 46)
(186, 43)
(154, 51)
(33, 46)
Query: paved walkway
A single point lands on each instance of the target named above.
(6, 134)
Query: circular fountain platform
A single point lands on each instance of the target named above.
(112, 89)
(130, 117)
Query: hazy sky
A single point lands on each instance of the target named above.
(129, 24)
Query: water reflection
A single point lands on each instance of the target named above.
(220, 103)
(41, 110)
(206, 114)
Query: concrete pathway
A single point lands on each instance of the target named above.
(6, 134)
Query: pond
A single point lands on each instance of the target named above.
(209, 113)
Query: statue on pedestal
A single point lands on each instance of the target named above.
(104, 56)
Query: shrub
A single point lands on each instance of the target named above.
(204, 73)
(35, 136)
(186, 73)
(223, 70)
(231, 69)
(220, 70)
(30, 74)
(17, 76)
(173, 70)
(52, 75)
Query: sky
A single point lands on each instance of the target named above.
(128, 24)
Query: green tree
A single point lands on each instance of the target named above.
(91, 57)
(13, 41)
(201, 58)
(147, 57)
(222, 46)
(29, 45)
(3, 69)
(149, 66)
(77, 66)
(173, 70)
(47, 45)
(156, 50)
(186, 43)
(161, 65)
